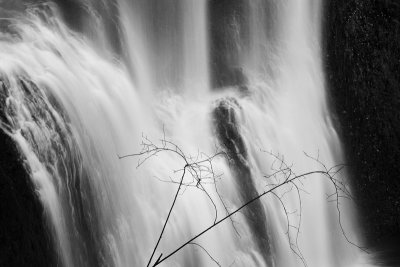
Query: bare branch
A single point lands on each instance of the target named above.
(200, 168)
(166, 221)
(209, 255)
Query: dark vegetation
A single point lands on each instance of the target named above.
(362, 45)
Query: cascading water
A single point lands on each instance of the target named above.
(72, 111)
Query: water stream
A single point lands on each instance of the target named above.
(73, 106)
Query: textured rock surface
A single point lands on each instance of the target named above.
(362, 45)
(25, 238)
(228, 134)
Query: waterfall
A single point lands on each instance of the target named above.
(167, 44)
(73, 107)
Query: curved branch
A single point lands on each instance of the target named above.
(162, 259)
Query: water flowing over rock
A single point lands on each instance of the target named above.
(85, 82)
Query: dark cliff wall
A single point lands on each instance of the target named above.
(362, 42)
(24, 236)
(25, 241)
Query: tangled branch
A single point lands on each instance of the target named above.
(200, 168)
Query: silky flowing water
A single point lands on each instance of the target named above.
(73, 106)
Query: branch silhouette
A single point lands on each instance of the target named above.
(200, 168)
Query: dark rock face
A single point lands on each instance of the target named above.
(238, 31)
(25, 240)
(228, 29)
(24, 235)
(227, 131)
(362, 42)
(26, 231)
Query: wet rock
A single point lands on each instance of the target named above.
(24, 235)
(228, 133)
